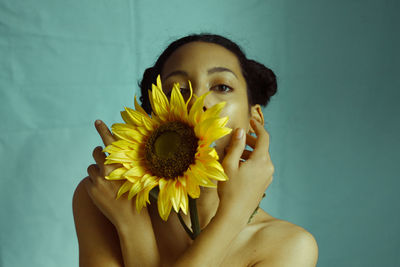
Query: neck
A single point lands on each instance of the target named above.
(208, 202)
(207, 205)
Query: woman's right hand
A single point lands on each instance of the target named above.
(103, 192)
(129, 223)
(248, 180)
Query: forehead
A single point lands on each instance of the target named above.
(200, 56)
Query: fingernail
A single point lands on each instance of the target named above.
(239, 133)
(98, 122)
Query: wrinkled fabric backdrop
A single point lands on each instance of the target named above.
(333, 123)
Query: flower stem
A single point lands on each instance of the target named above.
(194, 218)
(154, 193)
(185, 226)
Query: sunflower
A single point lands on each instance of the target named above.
(171, 149)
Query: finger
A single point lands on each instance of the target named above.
(235, 150)
(100, 157)
(246, 154)
(93, 172)
(104, 132)
(88, 183)
(250, 140)
(262, 143)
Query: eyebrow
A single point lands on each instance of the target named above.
(220, 69)
(210, 71)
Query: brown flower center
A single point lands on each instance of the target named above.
(171, 149)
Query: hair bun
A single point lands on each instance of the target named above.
(261, 81)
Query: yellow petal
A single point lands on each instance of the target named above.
(216, 174)
(149, 180)
(200, 177)
(118, 157)
(149, 93)
(212, 129)
(217, 134)
(163, 202)
(160, 101)
(192, 187)
(210, 172)
(178, 105)
(132, 179)
(111, 148)
(135, 155)
(143, 197)
(205, 152)
(139, 118)
(116, 174)
(143, 131)
(208, 126)
(179, 196)
(132, 117)
(149, 125)
(184, 200)
(175, 191)
(159, 82)
(124, 145)
(137, 171)
(124, 188)
(127, 165)
(211, 162)
(110, 161)
(214, 111)
(191, 94)
(136, 187)
(196, 111)
(127, 132)
(140, 109)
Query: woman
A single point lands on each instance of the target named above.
(112, 233)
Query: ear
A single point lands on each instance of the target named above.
(256, 113)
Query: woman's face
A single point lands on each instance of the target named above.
(210, 67)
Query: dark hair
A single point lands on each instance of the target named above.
(260, 80)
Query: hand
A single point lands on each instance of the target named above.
(248, 179)
(103, 192)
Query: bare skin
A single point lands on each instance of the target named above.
(111, 232)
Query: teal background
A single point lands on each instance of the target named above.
(334, 122)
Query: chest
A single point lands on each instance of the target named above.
(173, 243)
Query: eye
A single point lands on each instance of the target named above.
(222, 88)
(184, 92)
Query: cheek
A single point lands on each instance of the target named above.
(238, 118)
(238, 115)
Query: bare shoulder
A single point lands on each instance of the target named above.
(97, 237)
(281, 243)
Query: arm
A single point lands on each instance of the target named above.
(138, 243)
(235, 207)
(97, 237)
(236, 204)
(135, 232)
(103, 244)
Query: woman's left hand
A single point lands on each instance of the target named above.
(248, 179)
